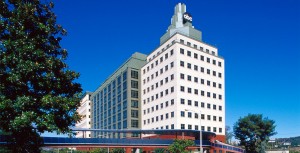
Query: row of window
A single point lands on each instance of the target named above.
(159, 84)
(201, 57)
(189, 127)
(196, 116)
(196, 68)
(196, 104)
(157, 107)
(159, 95)
(159, 118)
(202, 81)
(161, 59)
(161, 71)
(202, 93)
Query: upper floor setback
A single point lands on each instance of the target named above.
(189, 42)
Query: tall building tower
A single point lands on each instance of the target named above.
(116, 102)
(85, 111)
(183, 81)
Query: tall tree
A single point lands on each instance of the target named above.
(37, 90)
(180, 146)
(254, 131)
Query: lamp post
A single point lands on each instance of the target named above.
(200, 134)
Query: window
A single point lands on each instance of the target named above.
(172, 101)
(182, 101)
(134, 104)
(220, 64)
(189, 90)
(214, 118)
(202, 93)
(135, 113)
(189, 65)
(214, 62)
(162, 105)
(182, 113)
(208, 117)
(220, 130)
(167, 116)
(134, 74)
(208, 71)
(134, 94)
(189, 115)
(189, 102)
(202, 58)
(182, 63)
(220, 108)
(172, 52)
(215, 129)
(189, 53)
(220, 119)
(214, 73)
(134, 84)
(220, 86)
(196, 91)
(195, 67)
(201, 48)
(172, 77)
(208, 60)
(161, 59)
(196, 115)
(214, 84)
(172, 89)
(214, 107)
(182, 126)
(220, 97)
(166, 67)
(189, 78)
(161, 70)
(166, 79)
(220, 75)
(208, 82)
(182, 88)
(172, 114)
(214, 95)
(196, 79)
(188, 43)
(195, 56)
(189, 127)
(202, 69)
(202, 116)
(196, 103)
(135, 123)
(172, 64)
(208, 106)
(181, 76)
(172, 126)
(161, 117)
(156, 62)
(166, 56)
(181, 51)
(195, 46)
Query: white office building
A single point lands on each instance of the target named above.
(85, 111)
(183, 77)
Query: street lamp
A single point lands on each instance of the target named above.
(200, 135)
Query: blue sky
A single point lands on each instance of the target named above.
(259, 39)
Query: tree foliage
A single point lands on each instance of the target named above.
(180, 146)
(254, 131)
(37, 91)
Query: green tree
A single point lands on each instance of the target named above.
(160, 150)
(99, 150)
(37, 91)
(180, 146)
(254, 131)
(118, 150)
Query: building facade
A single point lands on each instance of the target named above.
(183, 83)
(116, 102)
(85, 111)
